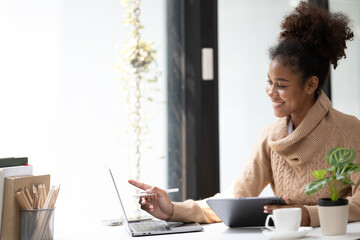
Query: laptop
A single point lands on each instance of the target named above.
(152, 227)
(243, 212)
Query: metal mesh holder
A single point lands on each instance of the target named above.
(37, 224)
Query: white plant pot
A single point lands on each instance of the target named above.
(333, 216)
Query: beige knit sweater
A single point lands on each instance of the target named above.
(286, 162)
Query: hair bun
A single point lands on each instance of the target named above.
(315, 28)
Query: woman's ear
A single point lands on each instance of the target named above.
(311, 84)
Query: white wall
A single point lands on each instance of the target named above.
(345, 84)
(247, 29)
(61, 106)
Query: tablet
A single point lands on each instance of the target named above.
(243, 212)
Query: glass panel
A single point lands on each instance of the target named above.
(246, 31)
(345, 84)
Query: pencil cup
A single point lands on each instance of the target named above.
(37, 224)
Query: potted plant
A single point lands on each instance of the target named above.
(334, 211)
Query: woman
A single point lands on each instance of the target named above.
(289, 150)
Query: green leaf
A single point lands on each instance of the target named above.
(347, 181)
(340, 176)
(340, 156)
(352, 168)
(316, 185)
(319, 174)
(346, 170)
(330, 169)
(153, 80)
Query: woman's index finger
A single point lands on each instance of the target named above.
(140, 185)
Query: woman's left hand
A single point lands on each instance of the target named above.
(305, 218)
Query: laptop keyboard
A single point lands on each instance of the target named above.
(149, 226)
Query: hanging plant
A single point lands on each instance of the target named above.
(138, 74)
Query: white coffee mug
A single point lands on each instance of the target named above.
(285, 219)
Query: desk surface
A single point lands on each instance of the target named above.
(211, 231)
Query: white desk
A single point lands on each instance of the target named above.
(211, 231)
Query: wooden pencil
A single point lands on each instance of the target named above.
(28, 195)
(20, 201)
(23, 196)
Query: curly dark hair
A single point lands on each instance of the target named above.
(310, 39)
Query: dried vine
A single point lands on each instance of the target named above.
(138, 71)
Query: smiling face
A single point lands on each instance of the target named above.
(288, 95)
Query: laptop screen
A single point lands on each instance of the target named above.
(123, 215)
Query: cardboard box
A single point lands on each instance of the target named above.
(11, 222)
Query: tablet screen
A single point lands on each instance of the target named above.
(243, 212)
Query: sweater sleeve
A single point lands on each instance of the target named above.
(196, 211)
(314, 215)
(354, 199)
(257, 173)
(193, 211)
(254, 178)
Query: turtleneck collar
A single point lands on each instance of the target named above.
(293, 147)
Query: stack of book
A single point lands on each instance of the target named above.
(14, 172)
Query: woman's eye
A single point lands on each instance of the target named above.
(277, 84)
